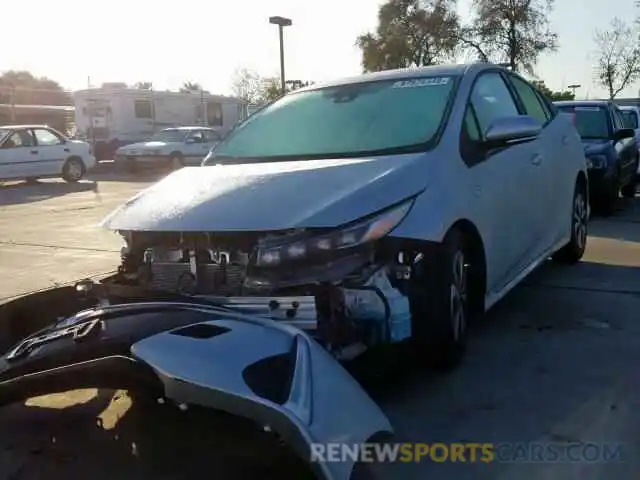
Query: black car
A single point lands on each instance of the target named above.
(611, 150)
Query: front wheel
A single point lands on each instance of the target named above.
(445, 306)
(629, 190)
(573, 251)
(73, 170)
(176, 161)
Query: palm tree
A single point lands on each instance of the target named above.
(190, 87)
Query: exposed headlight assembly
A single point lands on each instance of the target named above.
(596, 161)
(351, 235)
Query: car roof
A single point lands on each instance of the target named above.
(453, 70)
(582, 103)
(186, 128)
(15, 127)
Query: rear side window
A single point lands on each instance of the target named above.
(530, 100)
(591, 122)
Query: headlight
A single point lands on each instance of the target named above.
(349, 236)
(596, 161)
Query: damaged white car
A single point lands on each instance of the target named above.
(391, 208)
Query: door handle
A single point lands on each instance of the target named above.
(536, 159)
(34, 152)
(66, 150)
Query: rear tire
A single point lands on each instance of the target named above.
(73, 170)
(573, 251)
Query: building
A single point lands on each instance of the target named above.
(115, 115)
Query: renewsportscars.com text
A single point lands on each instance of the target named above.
(525, 452)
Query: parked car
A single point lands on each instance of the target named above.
(173, 147)
(386, 209)
(39, 151)
(632, 116)
(610, 147)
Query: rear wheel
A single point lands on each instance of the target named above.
(573, 251)
(73, 170)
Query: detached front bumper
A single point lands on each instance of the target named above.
(192, 353)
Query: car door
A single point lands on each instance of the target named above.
(501, 181)
(196, 147)
(18, 155)
(625, 148)
(552, 179)
(51, 152)
(212, 138)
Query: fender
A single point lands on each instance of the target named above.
(195, 353)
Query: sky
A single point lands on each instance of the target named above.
(83, 42)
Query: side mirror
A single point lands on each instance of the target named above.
(624, 133)
(514, 129)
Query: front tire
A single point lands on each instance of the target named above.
(73, 170)
(445, 307)
(629, 190)
(573, 251)
(176, 161)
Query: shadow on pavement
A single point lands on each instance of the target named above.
(16, 193)
(623, 225)
(139, 440)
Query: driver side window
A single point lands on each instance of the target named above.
(491, 99)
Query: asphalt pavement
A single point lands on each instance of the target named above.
(555, 362)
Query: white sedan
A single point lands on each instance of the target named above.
(39, 151)
(174, 147)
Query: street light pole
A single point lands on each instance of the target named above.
(281, 22)
(573, 88)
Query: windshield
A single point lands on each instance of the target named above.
(169, 136)
(352, 120)
(631, 118)
(591, 122)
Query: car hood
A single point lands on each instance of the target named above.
(271, 196)
(595, 146)
(144, 146)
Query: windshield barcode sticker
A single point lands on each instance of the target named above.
(421, 82)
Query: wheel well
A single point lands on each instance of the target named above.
(74, 157)
(474, 241)
(582, 182)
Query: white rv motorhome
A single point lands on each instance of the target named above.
(115, 115)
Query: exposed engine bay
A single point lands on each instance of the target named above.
(348, 299)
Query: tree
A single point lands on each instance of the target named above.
(248, 85)
(21, 87)
(618, 57)
(144, 85)
(515, 32)
(411, 33)
(550, 94)
(188, 87)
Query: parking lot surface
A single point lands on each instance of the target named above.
(556, 361)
